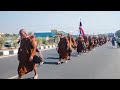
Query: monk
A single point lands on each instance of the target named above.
(26, 53)
(63, 47)
(90, 43)
(72, 44)
(79, 45)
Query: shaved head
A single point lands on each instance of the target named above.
(23, 33)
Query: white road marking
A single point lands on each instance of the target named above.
(13, 77)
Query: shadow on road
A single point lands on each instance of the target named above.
(30, 78)
(74, 55)
(52, 58)
(54, 63)
(53, 54)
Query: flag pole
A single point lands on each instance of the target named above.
(80, 26)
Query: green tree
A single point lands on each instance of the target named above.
(2, 41)
(15, 35)
(39, 41)
(14, 39)
(44, 41)
(117, 33)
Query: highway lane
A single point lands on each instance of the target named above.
(101, 63)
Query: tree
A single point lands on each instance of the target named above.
(15, 35)
(7, 35)
(117, 33)
(14, 39)
(44, 41)
(39, 41)
(2, 41)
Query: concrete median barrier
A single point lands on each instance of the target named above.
(15, 51)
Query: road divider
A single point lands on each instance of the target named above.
(15, 51)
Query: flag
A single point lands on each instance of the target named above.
(81, 29)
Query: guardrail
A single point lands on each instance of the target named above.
(15, 51)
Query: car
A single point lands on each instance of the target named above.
(8, 43)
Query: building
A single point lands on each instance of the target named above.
(45, 34)
(53, 33)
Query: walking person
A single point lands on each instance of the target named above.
(71, 45)
(63, 47)
(79, 45)
(26, 52)
(37, 50)
(113, 42)
(84, 46)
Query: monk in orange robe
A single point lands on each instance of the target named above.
(26, 53)
(63, 46)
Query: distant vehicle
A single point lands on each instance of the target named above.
(8, 43)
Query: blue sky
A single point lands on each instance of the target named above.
(43, 21)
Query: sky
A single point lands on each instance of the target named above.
(93, 22)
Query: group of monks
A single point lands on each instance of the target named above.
(28, 49)
(82, 44)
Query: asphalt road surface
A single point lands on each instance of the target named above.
(101, 63)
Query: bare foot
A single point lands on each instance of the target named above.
(59, 62)
(36, 76)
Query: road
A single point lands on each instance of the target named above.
(101, 63)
